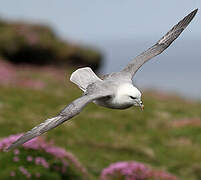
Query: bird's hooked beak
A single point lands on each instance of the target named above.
(141, 105)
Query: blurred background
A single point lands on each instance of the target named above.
(121, 30)
(43, 42)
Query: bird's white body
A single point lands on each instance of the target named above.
(121, 98)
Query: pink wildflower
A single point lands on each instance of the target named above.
(41, 161)
(37, 160)
(132, 170)
(44, 163)
(29, 158)
(39, 143)
(25, 172)
(4, 143)
(16, 151)
(16, 159)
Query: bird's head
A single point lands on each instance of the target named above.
(130, 95)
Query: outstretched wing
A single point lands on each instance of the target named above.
(67, 113)
(159, 47)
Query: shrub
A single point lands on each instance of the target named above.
(39, 45)
(133, 171)
(38, 159)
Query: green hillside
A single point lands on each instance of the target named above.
(166, 135)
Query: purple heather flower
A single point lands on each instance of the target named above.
(37, 160)
(16, 151)
(39, 143)
(16, 159)
(41, 161)
(25, 172)
(29, 158)
(22, 169)
(44, 163)
(56, 151)
(4, 143)
(133, 171)
(126, 169)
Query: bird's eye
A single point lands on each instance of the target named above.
(133, 97)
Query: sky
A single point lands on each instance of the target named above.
(121, 29)
(90, 20)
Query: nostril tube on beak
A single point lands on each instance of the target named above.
(142, 107)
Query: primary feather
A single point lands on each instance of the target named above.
(159, 47)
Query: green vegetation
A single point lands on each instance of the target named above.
(166, 135)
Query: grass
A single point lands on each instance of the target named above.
(100, 136)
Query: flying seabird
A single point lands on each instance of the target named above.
(114, 90)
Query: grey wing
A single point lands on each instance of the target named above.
(67, 113)
(159, 47)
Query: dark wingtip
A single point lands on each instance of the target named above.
(13, 145)
(186, 20)
(9, 148)
(194, 12)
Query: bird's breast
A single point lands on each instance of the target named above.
(109, 102)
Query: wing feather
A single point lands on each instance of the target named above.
(159, 47)
(67, 113)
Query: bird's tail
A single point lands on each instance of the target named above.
(83, 77)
